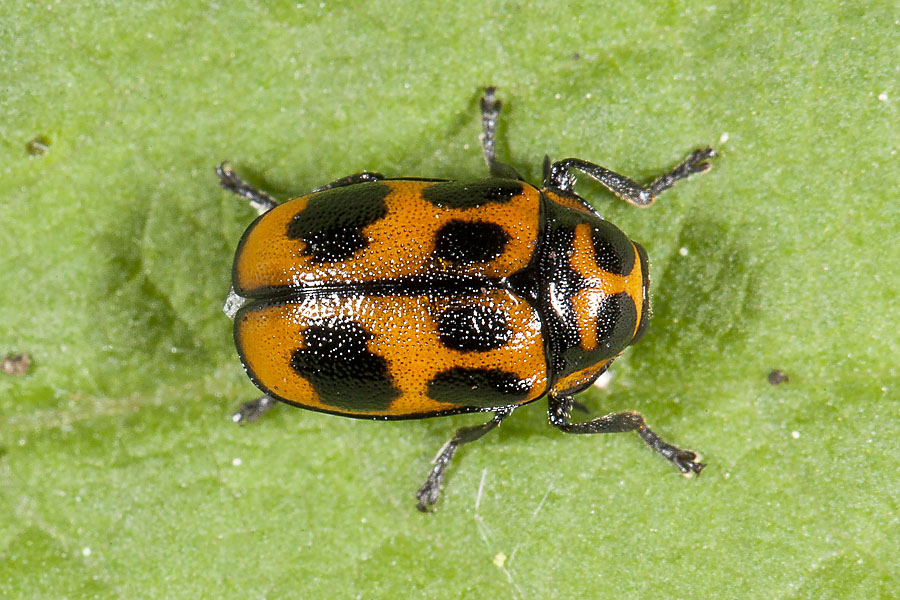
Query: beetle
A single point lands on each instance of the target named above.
(406, 298)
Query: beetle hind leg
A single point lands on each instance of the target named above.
(429, 493)
(248, 412)
(684, 460)
(259, 200)
(490, 114)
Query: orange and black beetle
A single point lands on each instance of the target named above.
(408, 298)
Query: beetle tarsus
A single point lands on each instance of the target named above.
(695, 163)
(684, 460)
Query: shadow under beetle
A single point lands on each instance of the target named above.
(408, 298)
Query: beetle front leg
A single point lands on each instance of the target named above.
(429, 493)
(259, 200)
(559, 176)
(559, 408)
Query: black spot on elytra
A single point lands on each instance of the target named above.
(470, 242)
(332, 221)
(613, 251)
(342, 370)
(456, 194)
(616, 320)
(473, 328)
(482, 388)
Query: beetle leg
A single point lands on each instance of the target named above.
(428, 494)
(559, 176)
(363, 177)
(253, 410)
(558, 412)
(259, 200)
(490, 113)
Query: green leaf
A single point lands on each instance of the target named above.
(121, 474)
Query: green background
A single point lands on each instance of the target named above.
(121, 474)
